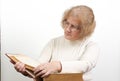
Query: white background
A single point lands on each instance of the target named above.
(27, 25)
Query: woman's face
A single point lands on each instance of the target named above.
(72, 29)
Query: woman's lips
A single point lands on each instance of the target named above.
(68, 34)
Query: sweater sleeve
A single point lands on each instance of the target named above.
(86, 62)
(46, 53)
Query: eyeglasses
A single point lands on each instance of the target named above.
(72, 27)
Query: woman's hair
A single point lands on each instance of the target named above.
(86, 17)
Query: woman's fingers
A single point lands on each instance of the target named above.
(41, 73)
(46, 74)
(39, 68)
(46, 69)
(20, 67)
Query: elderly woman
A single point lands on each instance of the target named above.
(72, 53)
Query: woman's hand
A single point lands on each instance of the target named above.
(46, 69)
(20, 67)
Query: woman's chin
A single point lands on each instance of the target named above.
(68, 37)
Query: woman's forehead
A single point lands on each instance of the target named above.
(74, 19)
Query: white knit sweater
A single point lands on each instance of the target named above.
(78, 56)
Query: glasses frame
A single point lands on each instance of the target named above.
(72, 27)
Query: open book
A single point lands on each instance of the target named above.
(30, 64)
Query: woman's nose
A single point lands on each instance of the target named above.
(68, 28)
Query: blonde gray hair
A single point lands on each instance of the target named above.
(85, 15)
